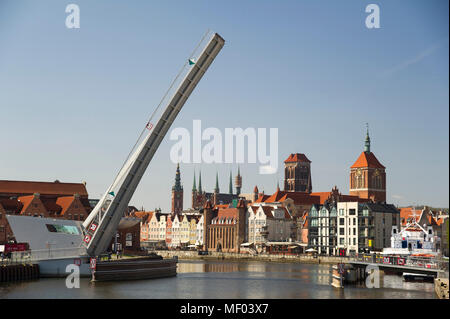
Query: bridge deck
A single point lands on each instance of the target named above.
(399, 268)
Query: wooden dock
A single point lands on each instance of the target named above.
(18, 272)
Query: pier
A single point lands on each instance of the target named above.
(11, 272)
(401, 264)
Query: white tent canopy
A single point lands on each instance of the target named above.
(311, 250)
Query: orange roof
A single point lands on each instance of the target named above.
(25, 200)
(144, 216)
(367, 159)
(228, 212)
(323, 196)
(64, 202)
(297, 157)
(262, 198)
(276, 197)
(43, 188)
(299, 198)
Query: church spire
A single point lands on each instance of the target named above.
(194, 186)
(367, 142)
(216, 190)
(230, 188)
(200, 182)
(177, 186)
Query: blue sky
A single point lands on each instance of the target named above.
(73, 101)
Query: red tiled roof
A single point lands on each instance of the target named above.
(367, 160)
(43, 188)
(276, 197)
(65, 203)
(144, 216)
(262, 198)
(228, 212)
(297, 157)
(407, 213)
(300, 198)
(323, 196)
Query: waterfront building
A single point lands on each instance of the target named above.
(162, 229)
(322, 232)
(71, 208)
(192, 229)
(383, 217)
(200, 239)
(41, 199)
(297, 173)
(145, 220)
(127, 236)
(175, 230)
(168, 230)
(368, 176)
(413, 239)
(225, 228)
(185, 230)
(299, 205)
(347, 234)
(269, 224)
(365, 227)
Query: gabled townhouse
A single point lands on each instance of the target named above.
(269, 224)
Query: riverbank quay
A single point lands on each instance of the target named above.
(11, 272)
(441, 287)
(193, 255)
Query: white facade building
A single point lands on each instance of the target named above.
(268, 223)
(347, 226)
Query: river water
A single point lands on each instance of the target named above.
(225, 279)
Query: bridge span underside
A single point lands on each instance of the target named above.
(398, 268)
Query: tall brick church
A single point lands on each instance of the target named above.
(368, 176)
(297, 174)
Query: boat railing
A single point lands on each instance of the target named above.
(30, 256)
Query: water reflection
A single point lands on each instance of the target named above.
(223, 279)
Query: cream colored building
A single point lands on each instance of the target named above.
(269, 223)
(347, 226)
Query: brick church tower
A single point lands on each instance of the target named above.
(177, 193)
(368, 176)
(297, 174)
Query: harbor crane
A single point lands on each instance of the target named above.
(101, 225)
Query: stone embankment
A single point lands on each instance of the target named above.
(441, 287)
(193, 255)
